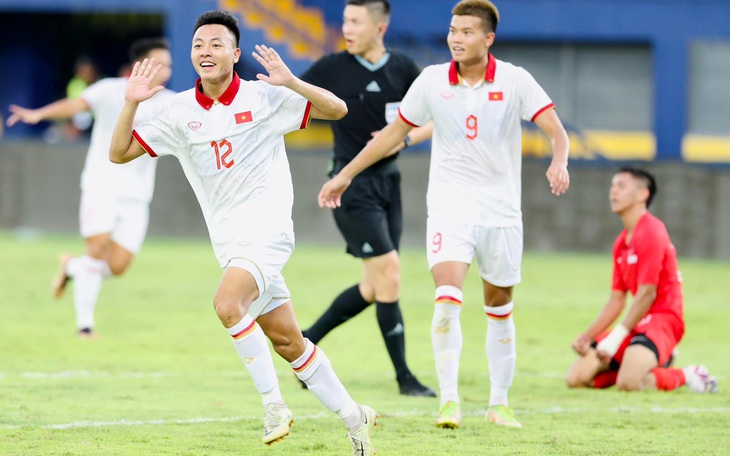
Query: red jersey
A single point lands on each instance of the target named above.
(649, 258)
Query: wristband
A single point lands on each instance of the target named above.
(611, 343)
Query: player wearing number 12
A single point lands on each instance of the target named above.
(228, 135)
(476, 103)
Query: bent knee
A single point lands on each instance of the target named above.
(629, 384)
(573, 380)
(118, 270)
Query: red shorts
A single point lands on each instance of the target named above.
(662, 329)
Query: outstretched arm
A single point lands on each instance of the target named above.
(609, 313)
(61, 109)
(123, 148)
(378, 148)
(325, 105)
(557, 173)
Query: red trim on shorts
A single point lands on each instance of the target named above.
(142, 143)
(551, 105)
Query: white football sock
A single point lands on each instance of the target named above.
(501, 351)
(447, 341)
(253, 349)
(87, 276)
(314, 368)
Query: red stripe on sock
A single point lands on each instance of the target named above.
(499, 317)
(446, 299)
(245, 331)
(308, 362)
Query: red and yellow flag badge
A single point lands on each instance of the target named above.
(496, 96)
(243, 117)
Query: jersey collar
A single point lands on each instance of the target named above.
(227, 98)
(455, 78)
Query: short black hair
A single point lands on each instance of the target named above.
(223, 18)
(140, 48)
(382, 5)
(645, 177)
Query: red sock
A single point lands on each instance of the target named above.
(605, 379)
(668, 379)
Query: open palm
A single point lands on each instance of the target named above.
(139, 84)
(279, 73)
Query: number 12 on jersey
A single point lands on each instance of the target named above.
(222, 150)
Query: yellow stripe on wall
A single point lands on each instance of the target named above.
(700, 148)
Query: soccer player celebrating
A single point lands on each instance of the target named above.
(115, 200)
(228, 135)
(370, 218)
(635, 354)
(476, 103)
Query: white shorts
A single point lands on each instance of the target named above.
(498, 249)
(125, 219)
(265, 260)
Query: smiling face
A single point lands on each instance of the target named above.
(214, 53)
(468, 42)
(626, 193)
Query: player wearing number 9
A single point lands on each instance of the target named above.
(228, 135)
(476, 103)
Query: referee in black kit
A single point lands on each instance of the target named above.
(372, 81)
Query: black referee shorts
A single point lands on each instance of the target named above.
(371, 217)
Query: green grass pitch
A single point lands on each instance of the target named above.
(163, 378)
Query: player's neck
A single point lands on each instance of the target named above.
(214, 88)
(472, 72)
(375, 53)
(631, 217)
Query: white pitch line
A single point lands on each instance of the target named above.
(402, 414)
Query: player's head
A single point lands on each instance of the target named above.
(157, 48)
(364, 23)
(472, 30)
(215, 45)
(631, 186)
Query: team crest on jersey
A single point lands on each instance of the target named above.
(447, 95)
(194, 125)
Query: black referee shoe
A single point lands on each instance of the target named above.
(408, 385)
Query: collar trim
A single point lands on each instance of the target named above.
(455, 78)
(226, 98)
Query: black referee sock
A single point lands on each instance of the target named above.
(345, 306)
(390, 321)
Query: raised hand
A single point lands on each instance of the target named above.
(279, 73)
(20, 114)
(331, 194)
(139, 84)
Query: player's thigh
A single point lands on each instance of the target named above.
(130, 227)
(660, 333)
(637, 362)
(363, 221)
(97, 213)
(499, 255)
(447, 243)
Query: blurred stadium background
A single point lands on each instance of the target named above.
(634, 81)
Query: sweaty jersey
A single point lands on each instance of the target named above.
(476, 153)
(649, 259)
(135, 180)
(232, 153)
(367, 88)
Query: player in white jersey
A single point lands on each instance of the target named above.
(114, 210)
(228, 134)
(476, 103)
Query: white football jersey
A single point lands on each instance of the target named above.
(134, 180)
(232, 152)
(476, 154)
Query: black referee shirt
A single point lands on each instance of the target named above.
(366, 92)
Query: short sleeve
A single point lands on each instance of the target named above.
(159, 136)
(533, 98)
(96, 93)
(291, 111)
(414, 109)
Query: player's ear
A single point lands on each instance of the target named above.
(236, 55)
